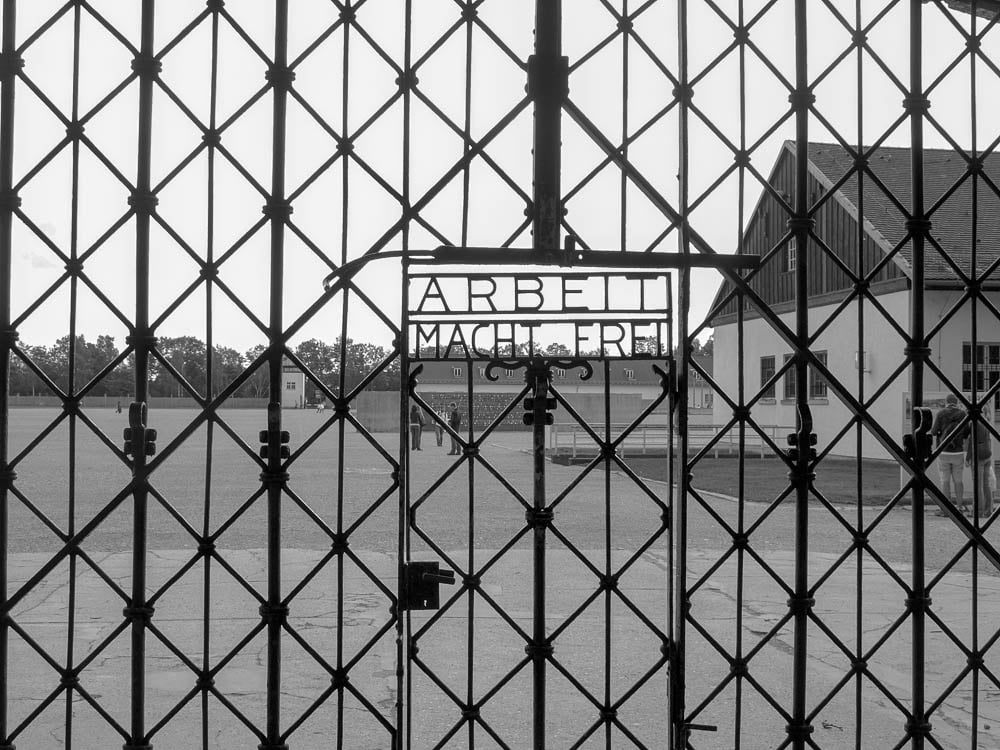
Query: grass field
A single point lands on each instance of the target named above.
(342, 480)
(764, 479)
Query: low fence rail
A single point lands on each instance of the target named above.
(570, 439)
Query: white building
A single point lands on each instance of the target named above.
(862, 342)
(293, 387)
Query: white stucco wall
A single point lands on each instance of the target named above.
(293, 389)
(840, 340)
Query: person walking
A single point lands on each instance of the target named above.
(416, 427)
(950, 432)
(979, 456)
(454, 422)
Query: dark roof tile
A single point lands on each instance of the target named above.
(947, 181)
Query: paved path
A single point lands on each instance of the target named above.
(444, 650)
(721, 608)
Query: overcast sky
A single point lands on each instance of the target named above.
(494, 211)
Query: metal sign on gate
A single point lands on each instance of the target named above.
(499, 314)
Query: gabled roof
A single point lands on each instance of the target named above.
(983, 8)
(951, 221)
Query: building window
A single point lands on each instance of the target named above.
(482, 372)
(791, 251)
(817, 383)
(560, 372)
(289, 385)
(789, 381)
(510, 373)
(456, 371)
(766, 373)
(986, 369)
(629, 374)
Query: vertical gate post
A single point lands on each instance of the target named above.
(8, 202)
(679, 729)
(143, 204)
(548, 86)
(539, 517)
(403, 674)
(277, 209)
(800, 226)
(917, 351)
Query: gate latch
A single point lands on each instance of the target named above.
(917, 444)
(422, 584)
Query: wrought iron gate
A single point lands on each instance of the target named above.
(135, 144)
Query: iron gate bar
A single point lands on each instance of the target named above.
(571, 257)
(471, 709)
(680, 724)
(8, 336)
(72, 385)
(537, 376)
(802, 476)
(274, 477)
(548, 87)
(143, 204)
(917, 352)
(407, 82)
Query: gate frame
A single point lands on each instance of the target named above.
(569, 258)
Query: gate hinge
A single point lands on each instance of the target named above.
(421, 582)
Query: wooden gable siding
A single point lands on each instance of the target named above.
(834, 225)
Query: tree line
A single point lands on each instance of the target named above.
(189, 356)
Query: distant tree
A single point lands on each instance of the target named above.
(708, 349)
(557, 350)
(318, 357)
(359, 360)
(697, 348)
(227, 364)
(187, 355)
(55, 363)
(23, 380)
(256, 386)
(118, 382)
(88, 359)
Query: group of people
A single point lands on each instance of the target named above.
(453, 418)
(962, 446)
